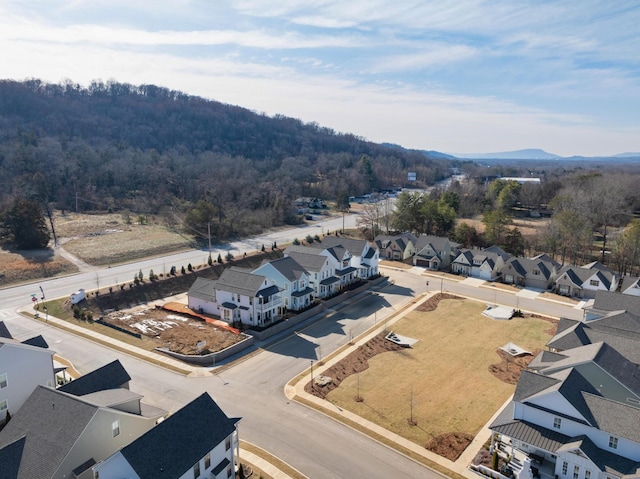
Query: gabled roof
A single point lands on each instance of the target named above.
(355, 246)
(614, 417)
(467, 254)
(496, 250)
(109, 376)
(604, 460)
(289, 268)
(612, 301)
(177, 443)
(606, 357)
(597, 265)
(629, 283)
(241, 281)
(401, 241)
(203, 288)
(525, 267)
(547, 259)
(37, 341)
(310, 262)
(50, 423)
(438, 243)
(579, 276)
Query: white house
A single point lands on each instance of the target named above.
(198, 441)
(585, 281)
(22, 368)
(364, 255)
(630, 285)
(321, 268)
(238, 296)
(576, 414)
(292, 280)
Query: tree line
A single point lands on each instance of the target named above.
(200, 164)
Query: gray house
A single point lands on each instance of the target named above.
(529, 272)
(435, 252)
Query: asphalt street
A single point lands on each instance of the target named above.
(253, 388)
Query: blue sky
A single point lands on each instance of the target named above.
(454, 76)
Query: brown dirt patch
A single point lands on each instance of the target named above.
(355, 362)
(24, 266)
(449, 445)
(509, 368)
(177, 332)
(432, 303)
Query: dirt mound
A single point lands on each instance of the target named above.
(449, 445)
(432, 303)
(508, 370)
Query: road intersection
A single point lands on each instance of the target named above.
(253, 388)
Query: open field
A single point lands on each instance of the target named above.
(24, 266)
(113, 238)
(445, 384)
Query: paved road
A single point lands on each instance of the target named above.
(253, 388)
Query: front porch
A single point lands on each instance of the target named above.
(515, 459)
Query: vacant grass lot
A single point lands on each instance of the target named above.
(445, 373)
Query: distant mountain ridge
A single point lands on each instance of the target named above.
(526, 154)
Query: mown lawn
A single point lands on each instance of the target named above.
(443, 382)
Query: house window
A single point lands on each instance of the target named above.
(207, 461)
(587, 474)
(229, 470)
(565, 467)
(576, 472)
(3, 380)
(536, 272)
(557, 422)
(613, 442)
(196, 470)
(594, 282)
(115, 428)
(96, 474)
(4, 405)
(227, 443)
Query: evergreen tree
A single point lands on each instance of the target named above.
(26, 225)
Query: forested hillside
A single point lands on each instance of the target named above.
(151, 150)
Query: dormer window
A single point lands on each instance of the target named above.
(613, 442)
(594, 282)
(557, 423)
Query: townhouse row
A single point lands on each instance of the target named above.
(494, 264)
(260, 297)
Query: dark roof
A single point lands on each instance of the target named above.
(621, 330)
(525, 266)
(302, 292)
(612, 301)
(10, 457)
(289, 268)
(241, 281)
(614, 417)
(37, 341)
(531, 383)
(309, 261)
(530, 433)
(52, 422)
(177, 443)
(109, 376)
(203, 288)
(438, 243)
(605, 460)
(630, 283)
(329, 280)
(579, 276)
(4, 332)
(355, 246)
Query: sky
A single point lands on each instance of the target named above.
(456, 76)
